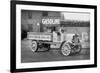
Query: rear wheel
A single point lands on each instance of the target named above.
(34, 46)
(65, 49)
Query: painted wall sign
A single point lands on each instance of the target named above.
(50, 20)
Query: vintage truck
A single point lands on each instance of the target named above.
(40, 40)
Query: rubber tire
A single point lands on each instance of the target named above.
(34, 47)
(79, 49)
(64, 50)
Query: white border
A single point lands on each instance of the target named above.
(20, 65)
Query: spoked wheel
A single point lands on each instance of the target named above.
(65, 49)
(34, 46)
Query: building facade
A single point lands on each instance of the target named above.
(45, 21)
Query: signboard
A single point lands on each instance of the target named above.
(85, 40)
(39, 36)
(51, 20)
(85, 36)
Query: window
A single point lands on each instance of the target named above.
(30, 15)
(45, 13)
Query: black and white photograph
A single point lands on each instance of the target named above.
(53, 35)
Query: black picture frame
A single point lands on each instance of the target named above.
(13, 35)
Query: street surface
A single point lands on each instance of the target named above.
(27, 56)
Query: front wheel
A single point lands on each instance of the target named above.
(78, 50)
(65, 48)
(34, 46)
